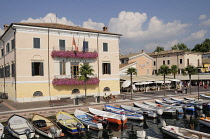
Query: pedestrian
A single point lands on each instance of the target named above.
(205, 87)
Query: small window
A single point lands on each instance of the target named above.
(180, 61)
(36, 42)
(37, 69)
(106, 89)
(164, 62)
(37, 93)
(75, 91)
(85, 46)
(168, 61)
(105, 47)
(154, 63)
(62, 45)
(8, 48)
(13, 44)
(188, 62)
(62, 68)
(2, 52)
(147, 71)
(106, 67)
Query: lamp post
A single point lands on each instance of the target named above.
(198, 85)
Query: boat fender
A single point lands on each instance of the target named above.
(36, 136)
(62, 134)
(27, 131)
(79, 127)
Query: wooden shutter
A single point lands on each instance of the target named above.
(33, 68)
(36, 42)
(109, 68)
(41, 69)
(62, 45)
(103, 68)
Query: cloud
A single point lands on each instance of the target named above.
(1, 31)
(196, 36)
(205, 23)
(202, 17)
(130, 25)
(49, 18)
(93, 25)
(167, 45)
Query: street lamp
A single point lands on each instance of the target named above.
(198, 83)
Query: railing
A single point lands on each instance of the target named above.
(79, 49)
(72, 76)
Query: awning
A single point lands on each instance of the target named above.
(175, 80)
(126, 83)
(159, 81)
(138, 83)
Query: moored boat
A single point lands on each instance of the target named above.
(177, 107)
(128, 113)
(151, 114)
(184, 133)
(20, 127)
(111, 117)
(205, 121)
(1, 130)
(89, 120)
(46, 127)
(69, 123)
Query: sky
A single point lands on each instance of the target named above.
(144, 24)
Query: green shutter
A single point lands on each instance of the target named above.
(33, 70)
(41, 69)
(62, 45)
(109, 68)
(102, 68)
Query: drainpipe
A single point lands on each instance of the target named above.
(49, 62)
(4, 62)
(15, 61)
(98, 63)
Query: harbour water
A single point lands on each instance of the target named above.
(152, 127)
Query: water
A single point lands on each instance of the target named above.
(128, 131)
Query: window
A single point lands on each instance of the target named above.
(62, 45)
(180, 61)
(168, 62)
(37, 69)
(188, 62)
(13, 70)
(147, 71)
(147, 63)
(74, 69)
(164, 62)
(85, 46)
(105, 47)
(13, 44)
(7, 69)
(1, 72)
(154, 63)
(62, 68)
(37, 93)
(8, 48)
(106, 67)
(75, 91)
(2, 52)
(36, 42)
(198, 62)
(106, 89)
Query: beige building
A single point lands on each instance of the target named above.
(176, 57)
(141, 61)
(41, 61)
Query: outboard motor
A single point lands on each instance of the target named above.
(141, 134)
(28, 132)
(79, 127)
(105, 123)
(123, 118)
(53, 131)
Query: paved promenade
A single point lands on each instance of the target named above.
(8, 106)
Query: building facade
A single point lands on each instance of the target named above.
(41, 61)
(175, 57)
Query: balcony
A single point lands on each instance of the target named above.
(79, 52)
(62, 80)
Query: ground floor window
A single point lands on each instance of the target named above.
(37, 69)
(106, 89)
(74, 91)
(74, 69)
(37, 93)
(106, 68)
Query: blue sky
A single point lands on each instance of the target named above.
(144, 24)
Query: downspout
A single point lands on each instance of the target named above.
(4, 62)
(98, 64)
(49, 62)
(15, 76)
(177, 61)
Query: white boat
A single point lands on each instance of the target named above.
(46, 127)
(128, 113)
(20, 127)
(184, 133)
(111, 117)
(151, 114)
(145, 107)
(205, 121)
(1, 131)
(205, 96)
(88, 119)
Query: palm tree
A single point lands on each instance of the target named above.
(164, 70)
(84, 71)
(190, 71)
(174, 70)
(131, 71)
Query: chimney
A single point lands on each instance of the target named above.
(105, 28)
(142, 51)
(6, 27)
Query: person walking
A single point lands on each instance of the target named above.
(205, 87)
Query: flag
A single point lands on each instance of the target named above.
(74, 44)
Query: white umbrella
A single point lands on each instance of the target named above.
(138, 83)
(126, 83)
(167, 81)
(175, 80)
(159, 81)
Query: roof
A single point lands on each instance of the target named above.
(125, 64)
(129, 55)
(206, 61)
(62, 26)
(166, 52)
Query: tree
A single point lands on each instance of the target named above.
(164, 70)
(180, 46)
(174, 70)
(159, 49)
(203, 47)
(131, 71)
(190, 71)
(84, 71)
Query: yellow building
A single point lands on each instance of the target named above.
(41, 61)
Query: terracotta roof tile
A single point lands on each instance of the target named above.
(129, 55)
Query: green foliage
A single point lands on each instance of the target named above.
(85, 70)
(159, 49)
(180, 46)
(164, 70)
(131, 71)
(203, 47)
(174, 70)
(191, 70)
